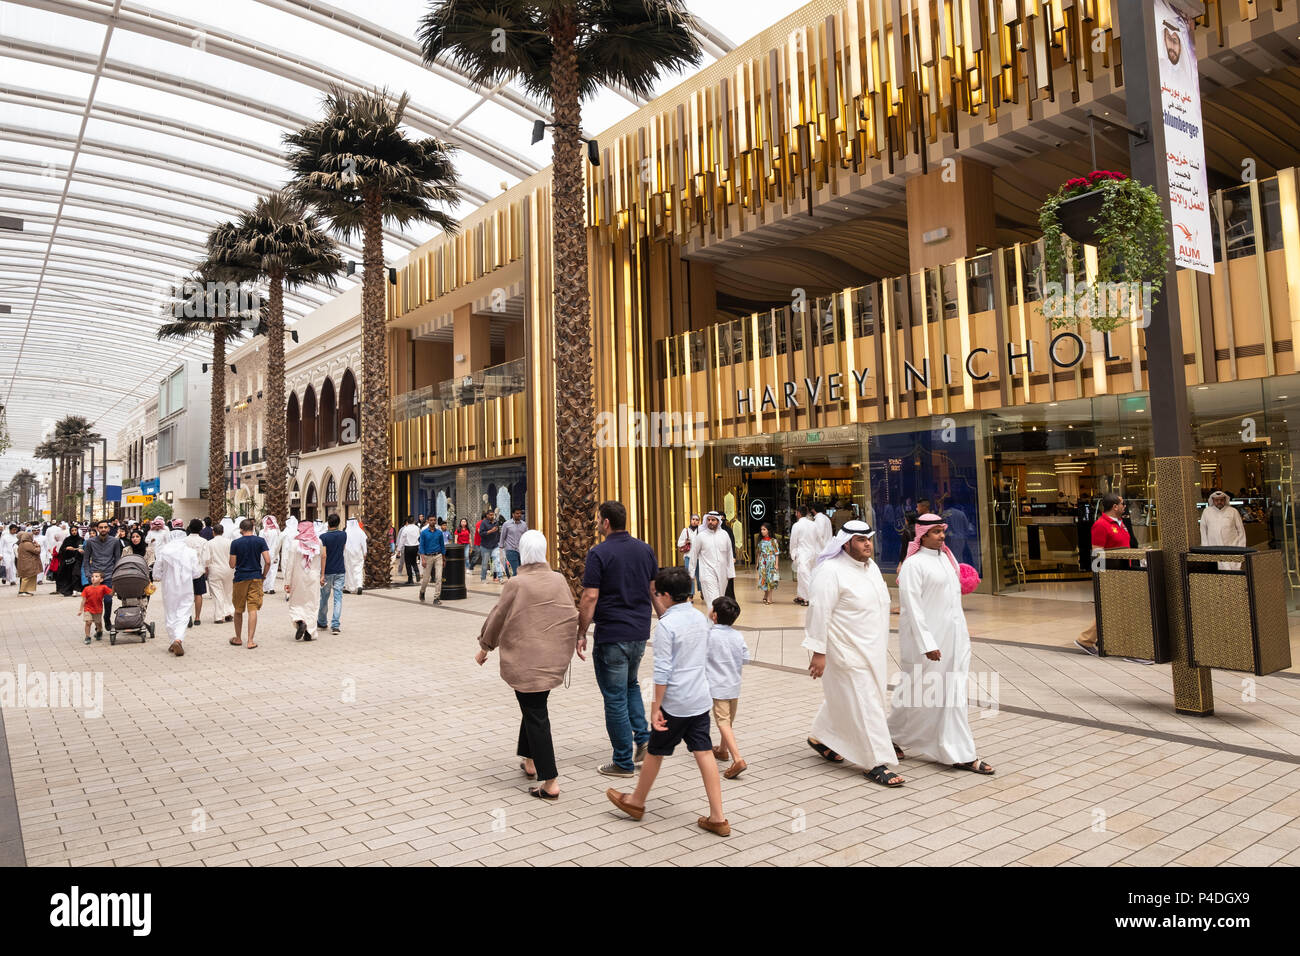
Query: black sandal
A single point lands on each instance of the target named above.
(826, 752)
(539, 792)
(975, 766)
(883, 776)
(530, 776)
(898, 752)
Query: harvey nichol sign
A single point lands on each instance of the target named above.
(1064, 351)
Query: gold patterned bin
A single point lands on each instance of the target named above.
(1236, 613)
(1129, 601)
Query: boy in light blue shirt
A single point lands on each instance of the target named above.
(682, 699)
(728, 653)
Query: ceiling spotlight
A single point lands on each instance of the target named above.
(539, 130)
(352, 268)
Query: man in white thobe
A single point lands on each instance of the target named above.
(9, 553)
(929, 716)
(714, 560)
(824, 530)
(303, 578)
(221, 576)
(271, 534)
(354, 557)
(1221, 527)
(287, 535)
(847, 631)
(686, 548)
(805, 545)
(175, 567)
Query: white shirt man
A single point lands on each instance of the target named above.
(929, 716)
(847, 630)
(686, 548)
(714, 559)
(1221, 527)
(805, 545)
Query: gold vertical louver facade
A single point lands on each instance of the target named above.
(843, 96)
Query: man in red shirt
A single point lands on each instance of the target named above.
(1108, 532)
(92, 605)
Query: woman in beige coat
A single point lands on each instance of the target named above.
(28, 562)
(534, 624)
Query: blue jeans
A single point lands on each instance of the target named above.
(686, 563)
(512, 559)
(333, 585)
(616, 665)
(485, 557)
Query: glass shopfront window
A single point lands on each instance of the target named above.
(466, 491)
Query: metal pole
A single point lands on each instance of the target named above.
(1176, 469)
(91, 516)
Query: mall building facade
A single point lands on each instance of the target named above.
(815, 278)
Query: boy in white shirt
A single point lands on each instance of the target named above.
(681, 705)
(728, 653)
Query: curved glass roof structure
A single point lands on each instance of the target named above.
(129, 129)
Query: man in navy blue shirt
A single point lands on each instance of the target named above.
(332, 543)
(616, 586)
(433, 552)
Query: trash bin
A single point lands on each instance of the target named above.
(453, 574)
(1236, 610)
(1129, 601)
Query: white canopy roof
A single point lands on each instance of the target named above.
(129, 129)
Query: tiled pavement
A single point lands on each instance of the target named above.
(387, 744)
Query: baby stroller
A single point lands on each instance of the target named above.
(132, 588)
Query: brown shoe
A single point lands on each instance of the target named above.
(721, 829)
(620, 800)
(735, 770)
(177, 648)
(720, 754)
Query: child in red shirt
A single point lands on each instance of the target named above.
(92, 605)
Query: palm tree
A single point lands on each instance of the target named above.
(20, 490)
(205, 305)
(360, 169)
(562, 51)
(280, 241)
(71, 438)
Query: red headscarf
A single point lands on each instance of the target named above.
(924, 523)
(308, 542)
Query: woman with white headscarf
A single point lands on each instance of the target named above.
(354, 557)
(304, 576)
(533, 623)
(271, 534)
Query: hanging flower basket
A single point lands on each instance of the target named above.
(1079, 216)
(1124, 220)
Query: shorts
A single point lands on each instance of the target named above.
(201, 585)
(725, 710)
(95, 619)
(247, 595)
(693, 730)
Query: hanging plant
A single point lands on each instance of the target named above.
(1125, 221)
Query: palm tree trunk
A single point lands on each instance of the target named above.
(277, 468)
(217, 430)
(574, 400)
(375, 411)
